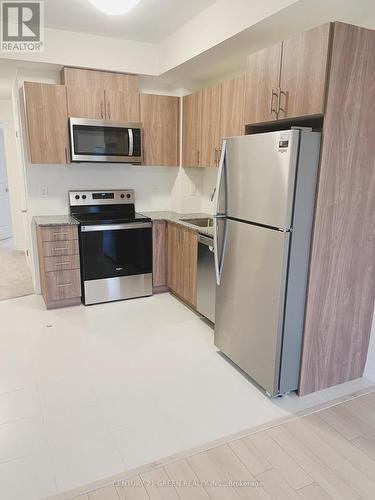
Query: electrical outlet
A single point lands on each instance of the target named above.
(44, 191)
(193, 189)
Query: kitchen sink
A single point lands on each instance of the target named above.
(204, 222)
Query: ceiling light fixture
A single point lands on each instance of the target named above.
(114, 7)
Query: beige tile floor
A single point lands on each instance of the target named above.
(87, 393)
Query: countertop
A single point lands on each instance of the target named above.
(55, 220)
(177, 217)
(67, 220)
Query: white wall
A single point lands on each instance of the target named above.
(219, 22)
(370, 365)
(157, 189)
(90, 51)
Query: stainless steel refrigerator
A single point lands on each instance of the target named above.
(264, 209)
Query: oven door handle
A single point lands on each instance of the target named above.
(116, 227)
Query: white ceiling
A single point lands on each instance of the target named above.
(229, 57)
(150, 21)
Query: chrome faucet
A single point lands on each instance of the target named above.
(212, 195)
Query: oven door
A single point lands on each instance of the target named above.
(105, 141)
(116, 261)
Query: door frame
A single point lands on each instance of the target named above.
(6, 182)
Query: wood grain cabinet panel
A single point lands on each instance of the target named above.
(99, 79)
(191, 129)
(189, 262)
(173, 254)
(262, 83)
(160, 117)
(232, 118)
(182, 258)
(85, 102)
(101, 94)
(122, 106)
(61, 247)
(211, 120)
(59, 265)
(159, 248)
(46, 122)
(61, 285)
(304, 73)
(57, 233)
(341, 289)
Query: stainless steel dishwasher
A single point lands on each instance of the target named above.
(206, 277)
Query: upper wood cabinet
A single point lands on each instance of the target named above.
(304, 73)
(208, 116)
(288, 80)
(120, 106)
(182, 261)
(211, 126)
(160, 117)
(46, 123)
(191, 129)
(232, 107)
(84, 103)
(102, 95)
(262, 84)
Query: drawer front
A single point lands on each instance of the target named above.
(62, 247)
(63, 284)
(59, 233)
(61, 263)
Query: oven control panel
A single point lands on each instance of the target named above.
(105, 197)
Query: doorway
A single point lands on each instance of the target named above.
(6, 230)
(15, 275)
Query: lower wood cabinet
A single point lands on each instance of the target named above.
(159, 248)
(59, 265)
(182, 258)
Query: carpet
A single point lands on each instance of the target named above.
(15, 275)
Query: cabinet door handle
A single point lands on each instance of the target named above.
(60, 232)
(60, 248)
(62, 264)
(109, 111)
(101, 110)
(63, 284)
(273, 94)
(280, 93)
(66, 155)
(198, 157)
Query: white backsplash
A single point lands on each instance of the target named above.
(184, 190)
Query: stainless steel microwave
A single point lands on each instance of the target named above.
(105, 141)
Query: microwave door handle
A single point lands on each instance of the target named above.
(131, 141)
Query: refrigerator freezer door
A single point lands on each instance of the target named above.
(261, 171)
(250, 301)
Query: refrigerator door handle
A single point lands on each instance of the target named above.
(216, 257)
(219, 255)
(219, 180)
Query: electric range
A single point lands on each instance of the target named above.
(115, 245)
